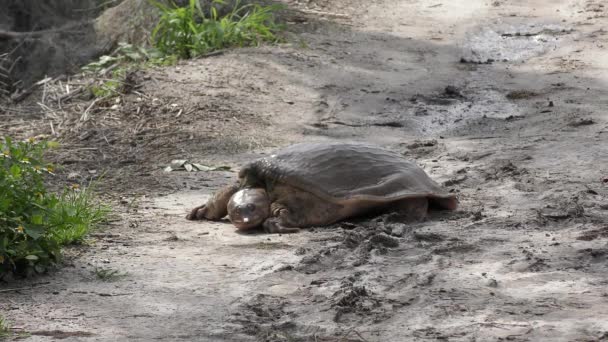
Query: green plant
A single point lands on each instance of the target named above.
(74, 214)
(35, 223)
(107, 274)
(188, 32)
(112, 69)
(5, 328)
(127, 55)
(105, 88)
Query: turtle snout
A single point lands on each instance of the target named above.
(247, 215)
(246, 212)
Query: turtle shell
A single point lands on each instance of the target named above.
(338, 172)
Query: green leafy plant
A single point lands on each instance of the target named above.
(106, 88)
(127, 55)
(112, 69)
(188, 32)
(35, 223)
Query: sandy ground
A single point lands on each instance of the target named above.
(502, 101)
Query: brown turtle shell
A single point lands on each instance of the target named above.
(340, 172)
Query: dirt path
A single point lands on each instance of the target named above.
(504, 101)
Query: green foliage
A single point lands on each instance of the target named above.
(35, 223)
(187, 32)
(127, 55)
(106, 88)
(5, 328)
(114, 67)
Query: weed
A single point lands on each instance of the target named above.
(35, 223)
(75, 214)
(112, 70)
(188, 32)
(303, 44)
(5, 328)
(107, 274)
(126, 55)
(106, 88)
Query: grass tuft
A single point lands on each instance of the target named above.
(188, 32)
(35, 223)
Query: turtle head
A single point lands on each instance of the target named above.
(248, 208)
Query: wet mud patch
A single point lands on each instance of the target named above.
(423, 148)
(504, 42)
(455, 246)
(429, 237)
(352, 303)
(449, 96)
(593, 234)
(60, 334)
(521, 94)
(259, 316)
(501, 169)
(434, 334)
(561, 209)
(355, 244)
(593, 255)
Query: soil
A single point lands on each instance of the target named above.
(502, 101)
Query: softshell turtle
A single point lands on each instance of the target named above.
(316, 184)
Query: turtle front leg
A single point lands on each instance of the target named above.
(415, 209)
(280, 221)
(274, 225)
(216, 207)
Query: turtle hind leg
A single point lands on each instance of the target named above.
(450, 203)
(413, 209)
(216, 207)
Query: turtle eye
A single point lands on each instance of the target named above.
(250, 206)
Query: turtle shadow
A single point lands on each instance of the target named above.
(435, 213)
(252, 232)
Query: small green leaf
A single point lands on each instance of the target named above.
(105, 60)
(53, 144)
(37, 219)
(31, 257)
(134, 56)
(35, 232)
(15, 171)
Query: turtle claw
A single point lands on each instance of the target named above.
(272, 226)
(197, 213)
